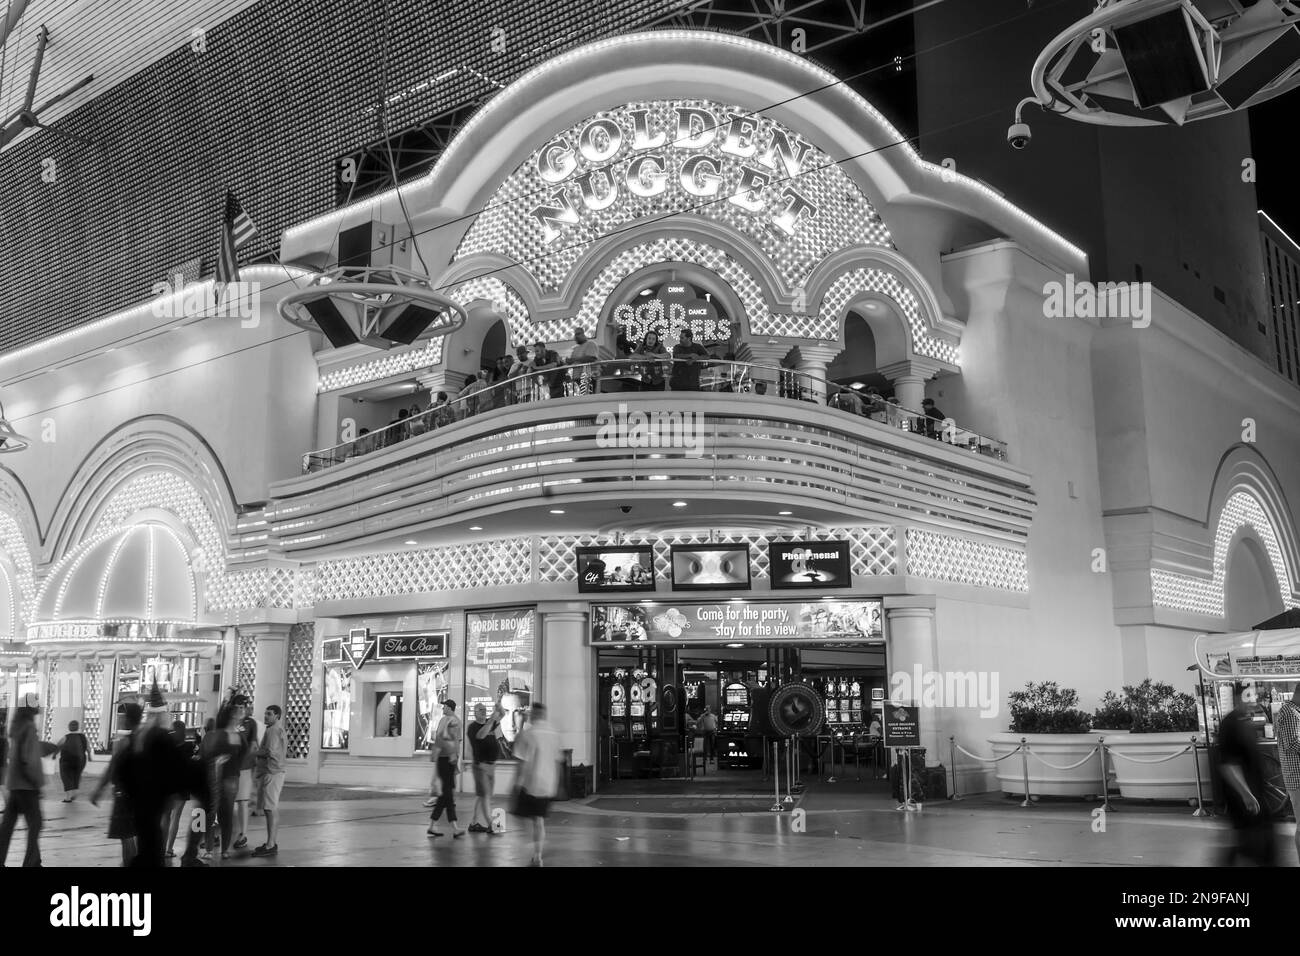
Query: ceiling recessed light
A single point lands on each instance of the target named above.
(647, 291)
(475, 527)
(411, 541)
(735, 645)
(783, 513)
(858, 385)
(679, 504)
(557, 511)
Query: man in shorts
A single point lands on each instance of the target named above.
(270, 778)
(247, 763)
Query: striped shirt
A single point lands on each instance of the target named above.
(1287, 724)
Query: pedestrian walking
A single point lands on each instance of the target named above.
(150, 780)
(74, 754)
(25, 779)
(1287, 724)
(538, 750)
(121, 820)
(185, 758)
(271, 756)
(485, 751)
(1241, 770)
(446, 749)
(708, 726)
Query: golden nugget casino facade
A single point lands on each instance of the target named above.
(629, 539)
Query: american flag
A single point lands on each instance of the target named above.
(236, 231)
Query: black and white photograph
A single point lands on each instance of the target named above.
(650, 434)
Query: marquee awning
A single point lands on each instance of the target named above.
(1274, 655)
(137, 574)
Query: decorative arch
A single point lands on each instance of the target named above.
(19, 541)
(1243, 511)
(150, 463)
(852, 287)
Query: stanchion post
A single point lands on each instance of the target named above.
(952, 762)
(831, 778)
(1024, 767)
(1200, 802)
(789, 771)
(1105, 784)
(776, 777)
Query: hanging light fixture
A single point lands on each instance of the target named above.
(10, 440)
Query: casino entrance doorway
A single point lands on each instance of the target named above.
(654, 705)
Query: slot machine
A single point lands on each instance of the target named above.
(643, 704)
(739, 736)
(614, 694)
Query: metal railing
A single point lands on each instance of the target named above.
(655, 374)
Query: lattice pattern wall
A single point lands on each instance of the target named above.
(858, 281)
(394, 363)
(297, 691)
(455, 567)
(942, 557)
(14, 544)
(844, 215)
(170, 492)
(251, 588)
(92, 722)
(308, 87)
(1182, 592)
(47, 698)
(246, 664)
(506, 301)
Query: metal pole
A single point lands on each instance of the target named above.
(776, 779)
(1024, 766)
(1200, 803)
(1105, 783)
(831, 778)
(952, 762)
(789, 771)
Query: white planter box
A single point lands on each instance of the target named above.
(1061, 750)
(1169, 780)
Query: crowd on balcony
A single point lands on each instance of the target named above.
(541, 373)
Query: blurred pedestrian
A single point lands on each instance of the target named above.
(446, 749)
(185, 752)
(151, 779)
(1241, 770)
(708, 726)
(1287, 723)
(74, 754)
(25, 779)
(121, 820)
(538, 750)
(271, 756)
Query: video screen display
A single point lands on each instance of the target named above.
(809, 564)
(616, 568)
(710, 567)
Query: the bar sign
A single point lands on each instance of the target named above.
(412, 646)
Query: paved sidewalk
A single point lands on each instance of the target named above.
(333, 826)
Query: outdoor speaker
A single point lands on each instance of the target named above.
(1260, 61)
(357, 245)
(1163, 58)
(330, 320)
(409, 324)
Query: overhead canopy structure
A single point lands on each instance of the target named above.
(1266, 654)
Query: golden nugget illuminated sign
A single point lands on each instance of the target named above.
(638, 153)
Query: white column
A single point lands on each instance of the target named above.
(567, 685)
(908, 379)
(911, 639)
(272, 664)
(812, 361)
(769, 355)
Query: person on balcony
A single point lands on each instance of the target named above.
(934, 419)
(847, 400)
(548, 360)
(656, 357)
(473, 383)
(585, 354)
(419, 422)
(875, 405)
(521, 384)
(688, 361)
(442, 413)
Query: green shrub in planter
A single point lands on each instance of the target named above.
(1151, 707)
(1047, 708)
(1114, 713)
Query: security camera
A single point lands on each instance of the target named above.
(626, 509)
(1018, 133)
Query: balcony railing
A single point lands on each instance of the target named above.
(656, 375)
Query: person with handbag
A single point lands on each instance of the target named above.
(446, 748)
(483, 734)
